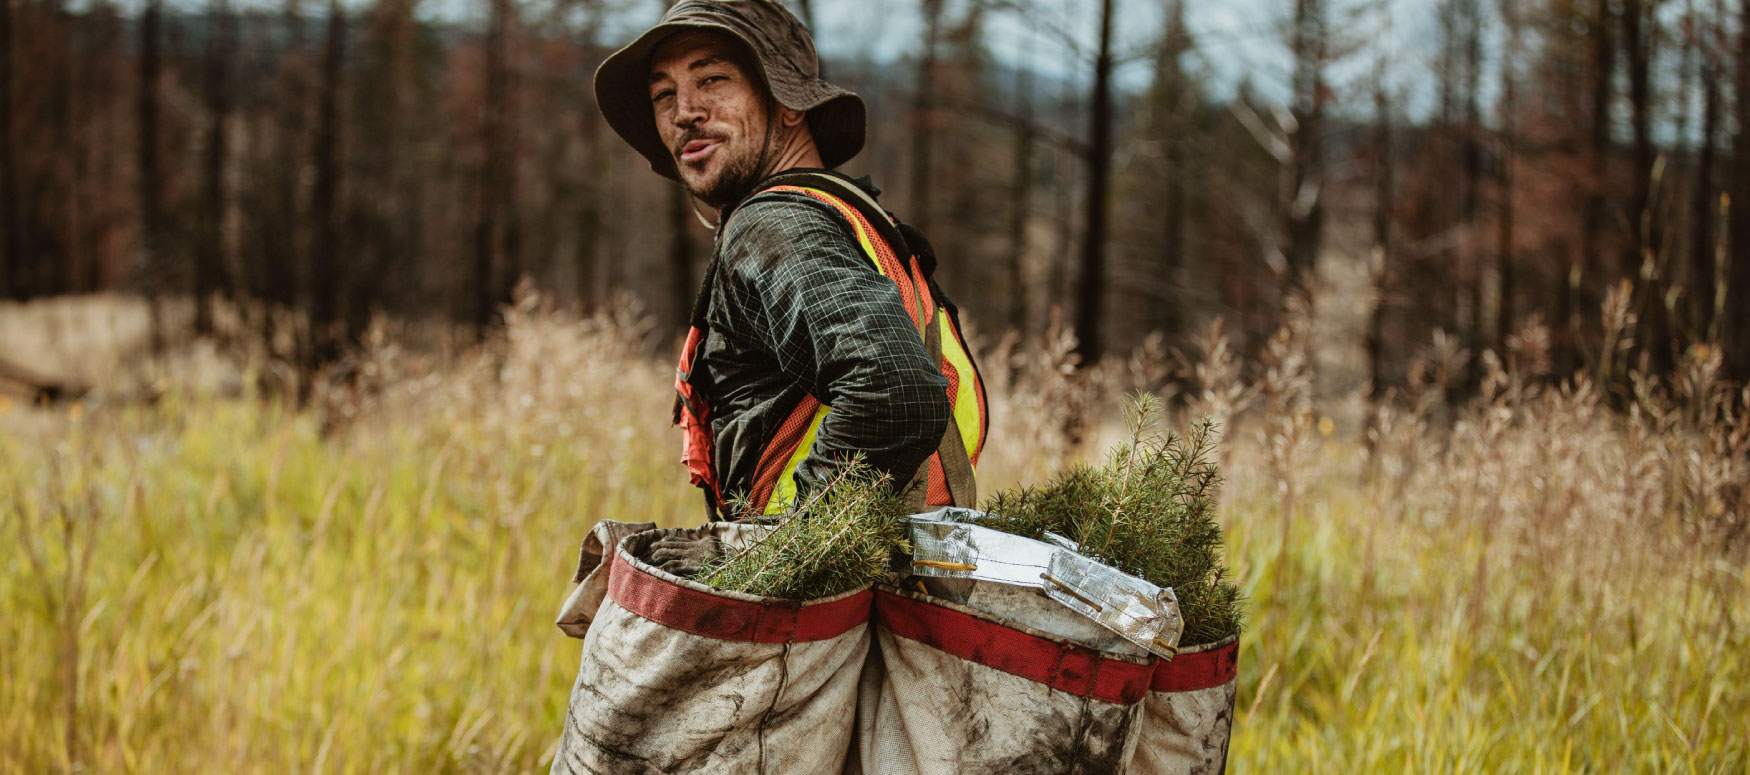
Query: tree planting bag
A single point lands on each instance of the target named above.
(1008, 656)
(1188, 716)
(954, 689)
(678, 677)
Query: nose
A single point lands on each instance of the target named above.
(689, 109)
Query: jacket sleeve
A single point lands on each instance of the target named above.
(803, 290)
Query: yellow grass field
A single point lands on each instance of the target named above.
(215, 583)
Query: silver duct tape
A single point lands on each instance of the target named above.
(949, 544)
(956, 550)
(1141, 612)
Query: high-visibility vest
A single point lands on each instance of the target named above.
(946, 478)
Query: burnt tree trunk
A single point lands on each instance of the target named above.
(590, 293)
(1385, 195)
(209, 269)
(1505, 265)
(494, 268)
(1641, 258)
(11, 255)
(1593, 220)
(151, 176)
(924, 116)
(1093, 269)
(1470, 202)
(1737, 322)
(1304, 205)
(1703, 285)
(1177, 104)
(1021, 198)
(327, 264)
(283, 258)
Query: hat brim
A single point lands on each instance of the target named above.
(837, 118)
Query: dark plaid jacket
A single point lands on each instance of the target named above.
(797, 308)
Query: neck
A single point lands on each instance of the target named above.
(797, 151)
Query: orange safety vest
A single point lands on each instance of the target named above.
(948, 471)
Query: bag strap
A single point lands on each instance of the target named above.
(951, 450)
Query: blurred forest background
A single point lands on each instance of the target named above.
(1466, 166)
(291, 472)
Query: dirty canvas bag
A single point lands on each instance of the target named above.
(1188, 716)
(957, 689)
(678, 677)
(593, 565)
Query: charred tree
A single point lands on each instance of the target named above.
(11, 255)
(1642, 257)
(1091, 288)
(1703, 286)
(382, 213)
(1593, 221)
(151, 174)
(1385, 197)
(209, 269)
(1737, 308)
(1471, 184)
(1021, 196)
(495, 265)
(279, 229)
(1177, 101)
(923, 128)
(1303, 201)
(1506, 267)
(328, 265)
(590, 203)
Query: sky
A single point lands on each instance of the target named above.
(1235, 41)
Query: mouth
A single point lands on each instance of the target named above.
(697, 150)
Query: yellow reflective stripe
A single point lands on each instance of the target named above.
(868, 247)
(856, 226)
(784, 492)
(966, 396)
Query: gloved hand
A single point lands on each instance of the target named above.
(685, 553)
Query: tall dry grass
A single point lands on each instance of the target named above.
(1546, 577)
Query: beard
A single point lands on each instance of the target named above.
(737, 175)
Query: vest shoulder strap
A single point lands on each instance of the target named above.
(852, 194)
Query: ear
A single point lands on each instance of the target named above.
(791, 118)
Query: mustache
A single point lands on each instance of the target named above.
(690, 136)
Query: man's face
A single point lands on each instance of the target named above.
(710, 113)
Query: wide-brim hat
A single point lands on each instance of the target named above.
(781, 49)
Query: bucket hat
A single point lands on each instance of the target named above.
(783, 52)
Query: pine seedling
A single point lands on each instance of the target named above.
(1148, 510)
(839, 539)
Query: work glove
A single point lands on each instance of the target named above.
(684, 553)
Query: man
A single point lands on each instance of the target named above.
(817, 335)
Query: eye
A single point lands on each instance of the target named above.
(662, 95)
(711, 79)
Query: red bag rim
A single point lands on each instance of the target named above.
(636, 588)
(1060, 664)
(1193, 671)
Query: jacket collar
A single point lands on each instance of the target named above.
(865, 182)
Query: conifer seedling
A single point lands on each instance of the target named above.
(1148, 510)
